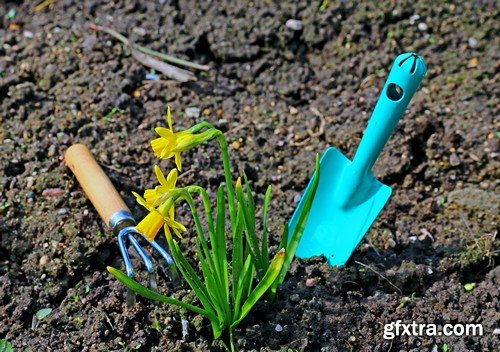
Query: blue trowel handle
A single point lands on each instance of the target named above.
(405, 76)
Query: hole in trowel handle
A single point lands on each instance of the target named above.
(394, 92)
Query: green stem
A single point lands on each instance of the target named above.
(229, 182)
(231, 340)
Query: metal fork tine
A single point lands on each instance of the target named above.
(130, 297)
(147, 261)
(174, 273)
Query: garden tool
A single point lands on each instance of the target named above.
(349, 198)
(115, 213)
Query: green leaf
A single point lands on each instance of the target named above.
(237, 251)
(469, 287)
(264, 249)
(241, 288)
(147, 293)
(268, 279)
(251, 237)
(43, 313)
(299, 228)
(219, 246)
(5, 346)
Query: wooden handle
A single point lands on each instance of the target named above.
(94, 182)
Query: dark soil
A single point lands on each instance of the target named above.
(270, 88)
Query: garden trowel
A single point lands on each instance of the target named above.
(349, 198)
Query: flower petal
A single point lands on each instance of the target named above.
(178, 160)
(165, 133)
(159, 145)
(160, 176)
(150, 225)
(172, 179)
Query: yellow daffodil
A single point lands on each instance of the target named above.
(169, 141)
(155, 196)
(158, 217)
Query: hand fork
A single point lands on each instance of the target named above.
(115, 213)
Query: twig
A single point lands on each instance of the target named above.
(374, 248)
(42, 5)
(166, 57)
(171, 71)
(107, 319)
(379, 274)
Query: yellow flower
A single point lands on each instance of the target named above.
(163, 146)
(158, 217)
(155, 196)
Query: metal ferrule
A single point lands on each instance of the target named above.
(119, 220)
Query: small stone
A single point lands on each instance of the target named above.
(293, 110)
(247, 108)
(294, 25)
(52, 192)
(484, 185)
(294, 298)
(278, 328)
(297, 197)
(311, 282)
(472, 42)
(391, 243)
(414, 18)
(62, 211)
(422, 26)
(25, 67)
(206, 112)
(236, 145)
(139, 31)
(193, 112)
(454, 160)
(352, 338)
(496, 331)
(473, 62)
(44, 260)
(27, 34)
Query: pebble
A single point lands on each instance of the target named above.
(454, 160)
(139, 31)
(414, 18)
(297, 197)
(152, 77)
(25, 67)
(294, 25)
(236, 145)
(294, 298)
(44, 260)
(293, 110)
(27, 34)
(391, 243)
(422, 26)
(52, 192)
(311, 282)
(89, 42)
(484, 185)
(472, 42)
(62, 211)
(193, 112)
(278, 328)
(496, 331)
